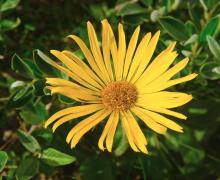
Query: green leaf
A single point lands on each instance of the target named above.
(21, 67)
(209, 30)
(34, 114)
(38, 87)
(54, 157)
(97, 12)
(195, 14)
(43, 62)
(9, 4)
(7, 25)
(192, 39)
(175, 28)
(96, 167)
(147, 2)
(43, 134)
(27, 169)
(210, 70)
(3, 160)
(15, 102)
(214, 47)
(28, 141)
(130, 9)
(21, 93)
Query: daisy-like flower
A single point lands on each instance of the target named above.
(116, 84)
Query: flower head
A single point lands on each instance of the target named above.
(117, 83)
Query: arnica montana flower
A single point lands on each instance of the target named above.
(118, 84)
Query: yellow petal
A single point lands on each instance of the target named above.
(111, 132)
(63, 82)
(163, 99)
(113, 48)
(80, 73)
(164, 121)
(121, 50)
(159, 83)
(88, 56)
(90, 120)
(106, 48)
(179, 80)
(138, 137)
(75, 94)
(139, 56)
(146, 56)
(82, 65)
(105, 131)
(171, 46)
(128, 133)
(138, 133)
(73, 116)
(149, 121)
(84, 129)
(96, 51)
(159, 65)
(70, 110)
(130, 51)
(166, 111)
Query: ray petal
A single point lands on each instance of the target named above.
(96, 50)
(106, 48)
(128, 133)
(95, 118)
(69, 117)
(159, 65)
(138, 137)
(149, 121)
(121, 50)
(157, 83)
(105, 131)
(84, 66)
(83, 129)
(130, 51)
(111, 132)
(146, 56)
(88, 56)
(70, 110)
(139, 55)
(164, 121)
(79, 72)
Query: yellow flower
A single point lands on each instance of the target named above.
(117, 83)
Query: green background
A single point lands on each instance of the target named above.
(28, 151)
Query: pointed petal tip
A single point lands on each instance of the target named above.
(46, 125)
(53, 51)
(104, 21)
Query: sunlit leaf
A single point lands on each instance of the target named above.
(54, 157)
(214, 47)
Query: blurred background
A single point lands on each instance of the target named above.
(28, 151)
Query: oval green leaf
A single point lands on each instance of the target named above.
(214, 47)
(3, 160)
(28, 168)
(54, 157)
(175, 28)
(28, 141)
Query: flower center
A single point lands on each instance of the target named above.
(119, 96)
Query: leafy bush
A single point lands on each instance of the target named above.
(28, 29)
